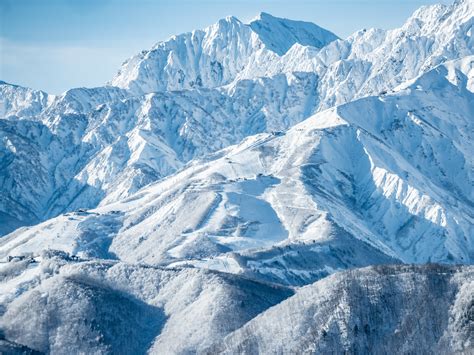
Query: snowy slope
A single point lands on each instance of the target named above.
(96, 145)
(43, 150)
(101, 144)
(423, 310)
(386, 176)
(367, 63)
(372, 61)
(216, 56)
(17, 101)
(279, 35)
(57, 304)
(93, 146)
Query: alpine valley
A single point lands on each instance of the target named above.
(248, 188)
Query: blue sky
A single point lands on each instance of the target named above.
(54, 45)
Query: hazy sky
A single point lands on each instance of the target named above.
(54, 45)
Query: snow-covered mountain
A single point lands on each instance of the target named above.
(57, 305)
(422, 310)
(93, 145)
(372, 61)
(217, 55)
(89, 146)
(224, 169)
(390, 176)
(61, 305)
(17, 101)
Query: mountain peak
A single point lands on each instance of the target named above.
(228, 20)
(279, 34)
(232, 18)
(262, 15)
(441, 20)
(226, 26)
(9, 84)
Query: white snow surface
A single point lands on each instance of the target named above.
(59, 305)
(430, 314)
(216, 55)
(389, 175)
(182, 207)
(98, 145)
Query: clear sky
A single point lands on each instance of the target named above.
(54, 45)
